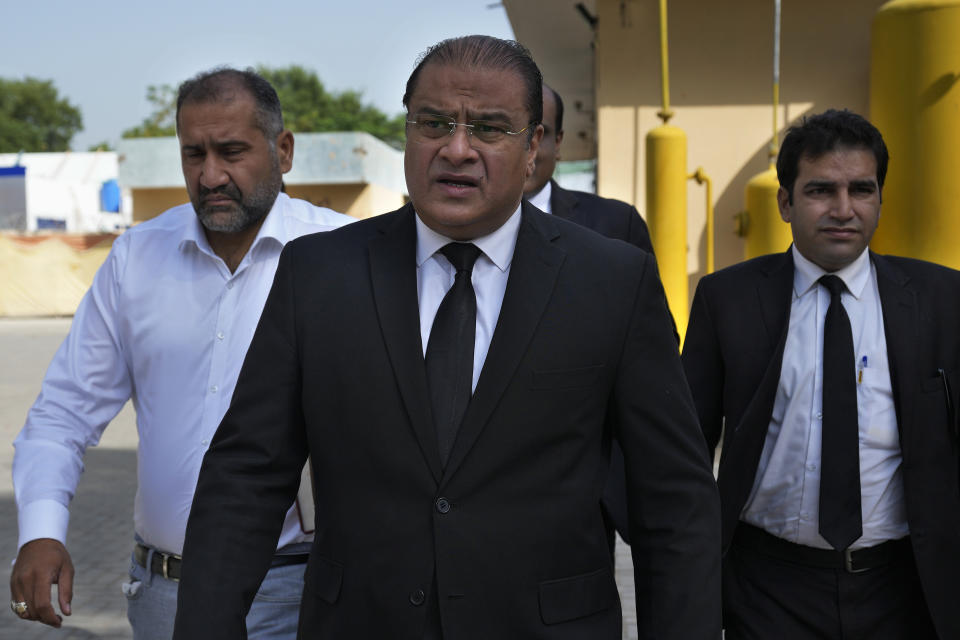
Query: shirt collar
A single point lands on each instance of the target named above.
(806, 274)
(497, 246)
(541, 199)
(272, 229)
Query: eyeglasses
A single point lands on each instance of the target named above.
(433, 127)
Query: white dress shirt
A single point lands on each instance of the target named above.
(435, 276)
(541, 199)
(166, 324)
(786, 493)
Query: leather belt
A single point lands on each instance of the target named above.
(850, 560)
(168, 564)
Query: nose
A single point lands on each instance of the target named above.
(457, 148)
(844, 206)
(212, 174)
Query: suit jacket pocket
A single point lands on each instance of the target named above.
(565, 378)
(575, 597)
(323, 578)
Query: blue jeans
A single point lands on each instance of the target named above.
(152, 604)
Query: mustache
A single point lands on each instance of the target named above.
(229, 190)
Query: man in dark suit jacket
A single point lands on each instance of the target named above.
(492, 530)
(757, 335)
(609, 217)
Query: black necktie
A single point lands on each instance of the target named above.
(840, 517)
(450, 348)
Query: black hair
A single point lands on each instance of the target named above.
(485, 52)
(221, 83)
(556, 98)
(825, 132)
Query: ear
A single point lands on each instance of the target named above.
(284, 146)
(532, 149)
(783, 203)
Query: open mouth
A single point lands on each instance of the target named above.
(458, 182)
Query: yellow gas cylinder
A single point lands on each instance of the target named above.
(667, 213)
(915, 102)
(761, 224)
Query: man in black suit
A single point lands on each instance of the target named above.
(612, 218)
(832, 374)
(459, 418)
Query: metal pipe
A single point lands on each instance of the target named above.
(665, 112)
(775, 140)
(702, 178)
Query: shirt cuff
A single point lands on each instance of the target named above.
(43, 519)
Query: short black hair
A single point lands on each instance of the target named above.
(558, 124)
(221, 83)
(828, 131)
(485, 52)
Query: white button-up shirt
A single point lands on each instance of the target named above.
(167, 324)
(785, 499)
(435, 276)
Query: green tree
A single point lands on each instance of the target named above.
(160, 122)
(308, 106)
(33, 117)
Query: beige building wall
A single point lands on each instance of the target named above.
(721, 93)
(149, 203)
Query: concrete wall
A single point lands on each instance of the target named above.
(721, 91)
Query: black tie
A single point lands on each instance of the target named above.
(450, 348)
(840, 516)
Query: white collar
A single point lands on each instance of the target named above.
(498, 246)
(806, 274)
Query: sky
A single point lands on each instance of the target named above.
(102, 54)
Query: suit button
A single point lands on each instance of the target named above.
(417, 597)
(442, 505)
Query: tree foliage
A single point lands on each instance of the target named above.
(161, 121)
(33, 117)
(307, 106)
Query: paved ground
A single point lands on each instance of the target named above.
(101, 531)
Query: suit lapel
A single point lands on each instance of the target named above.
(901, 327)
(738, 466)
(564, 205)
(394, 278)
(533, 272)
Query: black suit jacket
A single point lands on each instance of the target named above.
(621, 221)
(511, 529)
(732, 357)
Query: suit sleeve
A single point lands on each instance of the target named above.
(637, 233)
(672, 496)
(248, 480)
(703, 365)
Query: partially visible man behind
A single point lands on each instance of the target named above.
(832, 373)
(457, 386)
(167, 322)
(612, 218)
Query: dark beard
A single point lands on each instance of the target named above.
(246, 211)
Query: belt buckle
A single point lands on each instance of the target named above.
(165, 566)
(848, 562)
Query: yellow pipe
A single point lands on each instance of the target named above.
(665, 113)
(702, 178)
(667, 213)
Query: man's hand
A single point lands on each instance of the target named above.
(40, 564)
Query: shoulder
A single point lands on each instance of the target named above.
(599, 203)
(746, 272)
(348, 237)
(918, 268)
(168, 225)
(301, 217)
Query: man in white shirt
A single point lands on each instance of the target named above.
(167, 322)
(832, 374)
